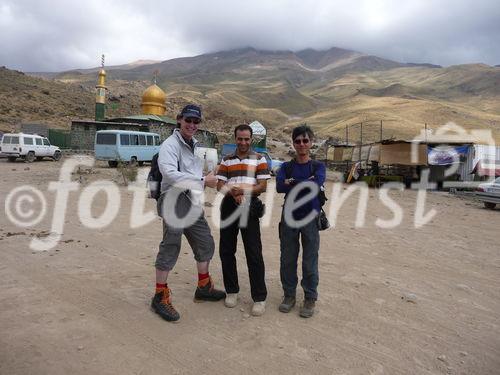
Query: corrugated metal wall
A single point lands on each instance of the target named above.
(60, 138)
(465, 167)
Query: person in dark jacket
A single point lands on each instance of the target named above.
(300, 224)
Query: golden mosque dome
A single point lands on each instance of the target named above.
(153, 101)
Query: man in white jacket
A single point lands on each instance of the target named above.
(182, 184)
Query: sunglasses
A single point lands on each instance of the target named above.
(299, 141)
(193, 120)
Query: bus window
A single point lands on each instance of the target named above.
(106, 139)
(134, 140)
(142, 140)
(150, 140)
(124, 140)
(157, 140)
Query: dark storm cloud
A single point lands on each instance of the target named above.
(56, 35)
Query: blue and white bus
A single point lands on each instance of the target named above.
(127, 146)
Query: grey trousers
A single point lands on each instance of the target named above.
(198, 235)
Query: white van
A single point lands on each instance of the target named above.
(28, 147)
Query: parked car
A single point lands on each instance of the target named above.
(489, 193)
(28, 147)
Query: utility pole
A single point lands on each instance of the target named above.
(381, 131)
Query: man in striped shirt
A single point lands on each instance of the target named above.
(242, 178)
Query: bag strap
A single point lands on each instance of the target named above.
(289, 168)
(314, 166)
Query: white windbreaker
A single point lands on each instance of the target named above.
(179, 166)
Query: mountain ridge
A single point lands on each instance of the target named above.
(327, 89)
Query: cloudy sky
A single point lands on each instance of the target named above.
(55, 35)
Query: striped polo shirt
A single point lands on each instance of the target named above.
(234, 170)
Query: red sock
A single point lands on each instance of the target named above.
(160, 287)
(203, 279)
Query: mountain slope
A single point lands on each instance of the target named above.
(328, 89)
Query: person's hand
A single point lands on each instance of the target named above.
(239, 199)
(211, 180)
(236, 191)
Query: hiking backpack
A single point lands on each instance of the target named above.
(154, 179)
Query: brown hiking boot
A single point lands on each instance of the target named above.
(162, 305)
(208, 292)
(307, 309)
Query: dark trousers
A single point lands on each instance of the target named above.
(290, 239)
(253, 252)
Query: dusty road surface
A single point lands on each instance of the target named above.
(392, 301)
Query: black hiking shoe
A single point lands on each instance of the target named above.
(287, 304)
(208, 293)
(162, 305)
(307, 309)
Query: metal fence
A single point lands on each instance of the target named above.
(60, 138)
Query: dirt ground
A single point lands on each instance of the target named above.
(392, 301)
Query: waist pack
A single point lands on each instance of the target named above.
(257, 208)
(323, 223)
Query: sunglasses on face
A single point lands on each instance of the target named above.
(299, 141)
(193, 120)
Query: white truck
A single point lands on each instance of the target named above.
(28, 147)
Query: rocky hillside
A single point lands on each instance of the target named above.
(24, 98)
(327, 89)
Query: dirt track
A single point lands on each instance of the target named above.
(83, 307)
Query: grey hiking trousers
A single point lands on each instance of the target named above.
(198, 234)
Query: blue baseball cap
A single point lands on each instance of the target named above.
(191, 110)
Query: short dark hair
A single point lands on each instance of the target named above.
(302, 130)
(243, 127)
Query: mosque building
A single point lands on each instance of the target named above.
(152, 119)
